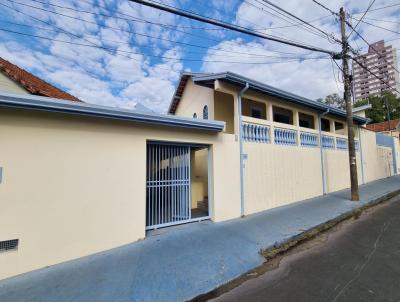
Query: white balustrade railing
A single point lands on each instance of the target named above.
(328, 142)
(308, 139)
(258, 133)
(285, 136)
(255, 133)
(341, 143)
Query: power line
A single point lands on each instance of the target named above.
(132, 19)
(70, 34)
(233, 27)
(325, 7)
(334, 76)
(290, 59)
(331, 36)
(379, 8)
(149, 36)
(362, 17)
(373, 48)
(381, 20)
(377, 26)
(159, 47)
(281, 17)
(380, 79)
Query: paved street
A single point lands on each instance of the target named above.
(360, 261)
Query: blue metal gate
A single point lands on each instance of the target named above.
(168, 199)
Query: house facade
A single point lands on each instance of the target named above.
(391, 127)
(14, 79)
(77, 179)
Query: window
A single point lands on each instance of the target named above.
(256, 112)
(195, 115)
(325, 125)
(306, 120)
(254, 109)
(282, 115)
(339, 128)
(205, 112)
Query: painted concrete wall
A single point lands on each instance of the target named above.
(8, 85)
(277, 175)
(73, 186)
(376, 159)
(193, 100)
(224, 110)
(199, 175)
(397, 154)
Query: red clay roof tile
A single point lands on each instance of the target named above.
(384, 126)
(32, 83)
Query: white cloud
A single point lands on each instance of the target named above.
(124, 78)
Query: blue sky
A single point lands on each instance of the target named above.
(119, 53)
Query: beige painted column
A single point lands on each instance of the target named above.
(296, 123)
(270, 117)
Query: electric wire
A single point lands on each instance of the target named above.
(147, 35)
(362, 17)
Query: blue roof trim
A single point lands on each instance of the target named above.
(263, 88)
(40, 103)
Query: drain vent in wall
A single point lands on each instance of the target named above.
(9, 245)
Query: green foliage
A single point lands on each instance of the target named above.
(333, 100)
(378, 112)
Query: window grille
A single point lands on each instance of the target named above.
(9, 245)
(205, 112)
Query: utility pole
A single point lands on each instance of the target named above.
(349, 109)
(385, 98)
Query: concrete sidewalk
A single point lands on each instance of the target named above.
(177, 264)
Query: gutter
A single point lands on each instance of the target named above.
(240, 95)
(321, 154)
(39, 103)
(272, 91)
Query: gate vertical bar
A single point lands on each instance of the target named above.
(158, 184)
(189, 156)
(162, 183)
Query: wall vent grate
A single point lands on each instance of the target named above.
(9, 245)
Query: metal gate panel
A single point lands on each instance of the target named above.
(168, 199)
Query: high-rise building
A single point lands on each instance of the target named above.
(382, 61)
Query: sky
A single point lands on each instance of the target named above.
(119, 53)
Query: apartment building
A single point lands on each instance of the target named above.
(382, 61)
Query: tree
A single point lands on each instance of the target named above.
(380, 105)
(333, 100)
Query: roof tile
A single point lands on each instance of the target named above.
(33, 84)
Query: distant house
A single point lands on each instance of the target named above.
(392, 128)
(14, 79)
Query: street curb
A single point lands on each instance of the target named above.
(286, 245)
(290, 243)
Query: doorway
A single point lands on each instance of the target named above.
(177, 184)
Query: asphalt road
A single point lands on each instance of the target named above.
(357, 261)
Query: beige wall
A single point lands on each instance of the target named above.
(397, 153)
(73, 186)
(376, 159)
(277, 175)
(199, 175)
(8, 85)
(193, 100)
(224, 110)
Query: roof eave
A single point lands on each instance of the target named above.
(39, 103)
(233, 78)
